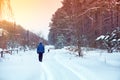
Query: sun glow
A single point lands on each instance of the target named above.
(35, 15)
(6, 11)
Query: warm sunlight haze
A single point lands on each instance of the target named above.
(35, 15)
(59, 39)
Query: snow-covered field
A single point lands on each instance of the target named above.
(60, 65)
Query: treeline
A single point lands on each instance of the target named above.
(80, 22)
(15, 36)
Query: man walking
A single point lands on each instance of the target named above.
(40, 51)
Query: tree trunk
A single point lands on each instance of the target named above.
(79, 48)
(110, 50)
(1, 54)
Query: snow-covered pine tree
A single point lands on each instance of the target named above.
(111, 41)
(60, 41)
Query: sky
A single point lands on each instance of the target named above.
(35, 15)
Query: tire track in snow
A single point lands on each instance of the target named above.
(82, 72)
(62, 72)
(47, 73)
(56, 70)
(43, 76)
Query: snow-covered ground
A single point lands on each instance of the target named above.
(60, 65)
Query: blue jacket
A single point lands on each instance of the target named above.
(40, 48)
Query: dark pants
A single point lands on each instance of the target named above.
(40, 57)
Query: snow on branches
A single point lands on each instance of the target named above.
(111, 40)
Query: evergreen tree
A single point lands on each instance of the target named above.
(111, 41)
(81, 21)
(60, 41)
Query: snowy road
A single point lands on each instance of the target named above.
(26, 67)
(59, 65)
(55, 70)
(64, 68)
